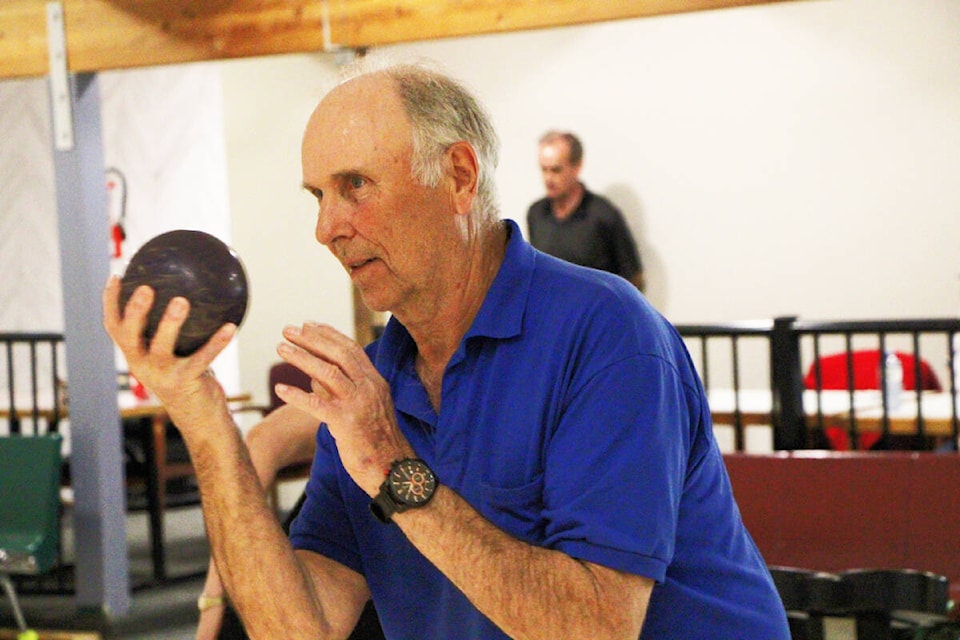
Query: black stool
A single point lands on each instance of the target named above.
(887, 604)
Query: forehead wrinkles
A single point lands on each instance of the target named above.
(359, 123)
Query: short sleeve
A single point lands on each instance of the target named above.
(615, 468)
(323, 525)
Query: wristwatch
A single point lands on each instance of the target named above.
(410, 484)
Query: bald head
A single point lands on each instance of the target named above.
(392, 157)
(439, 111)
(357, 123)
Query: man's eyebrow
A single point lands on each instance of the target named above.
(347, 173)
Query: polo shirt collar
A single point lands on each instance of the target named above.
(500, 315)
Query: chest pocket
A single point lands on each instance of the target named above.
(516, 510)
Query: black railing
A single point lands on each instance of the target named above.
(914, 337)
(774, 354)
(726, 343)
(32, 366)
(795, 346)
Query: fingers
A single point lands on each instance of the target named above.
(307, 402)
(173, 318)
(168, 330)
(217, 342)
(334, 362)
(331, 346)
(349, 395)
(327, 378)
(125, 326)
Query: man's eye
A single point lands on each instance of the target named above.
(356, 182)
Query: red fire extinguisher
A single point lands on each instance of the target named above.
(117, 198)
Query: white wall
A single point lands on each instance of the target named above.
(30, 295)
(292, 277)
(794, 158)
(163, 129)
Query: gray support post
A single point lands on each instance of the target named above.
(96, 462)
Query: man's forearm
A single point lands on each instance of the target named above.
(273, 598)
(528, 591)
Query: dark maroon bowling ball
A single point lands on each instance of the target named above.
(197, 266)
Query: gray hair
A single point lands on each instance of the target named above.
(442, 111)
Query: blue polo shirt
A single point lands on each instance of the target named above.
(572, 418)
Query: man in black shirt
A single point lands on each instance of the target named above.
(576, 224)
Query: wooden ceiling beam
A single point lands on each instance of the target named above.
(116, 34)
(370, 22)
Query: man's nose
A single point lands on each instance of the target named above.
(333, 220)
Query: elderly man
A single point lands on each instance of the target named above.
(526, 452)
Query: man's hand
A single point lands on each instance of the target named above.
(351, 396)
(186, 383)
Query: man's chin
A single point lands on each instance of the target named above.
(373, 299)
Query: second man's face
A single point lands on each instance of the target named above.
(560, 178)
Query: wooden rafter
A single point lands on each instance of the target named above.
(114, 34)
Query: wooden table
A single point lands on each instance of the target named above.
(931, 413)
(935, 411)
(144, 419)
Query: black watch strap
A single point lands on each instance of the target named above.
(383, 506)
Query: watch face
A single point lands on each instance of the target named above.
(412, 482)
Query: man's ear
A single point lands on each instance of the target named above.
(465, 171)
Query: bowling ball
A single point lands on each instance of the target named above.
(198, 267)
